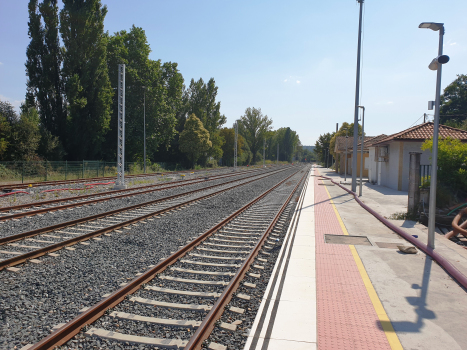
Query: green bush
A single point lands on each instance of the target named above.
(452, 162)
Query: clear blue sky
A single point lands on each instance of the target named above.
(293, 59)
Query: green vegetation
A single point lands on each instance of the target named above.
(70, 108)
(452, 162)
(194, 140)
(453, 110)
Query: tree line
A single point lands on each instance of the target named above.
(70, 108)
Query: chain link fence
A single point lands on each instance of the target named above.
(35, 171)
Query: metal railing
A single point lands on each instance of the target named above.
(34, 171)
(425, 173)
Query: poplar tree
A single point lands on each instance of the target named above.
(87, 85)
(43, 65)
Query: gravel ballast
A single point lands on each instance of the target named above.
(11, 227)
(40, 296)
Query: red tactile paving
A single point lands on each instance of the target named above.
(346, 317)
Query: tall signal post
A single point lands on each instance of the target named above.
(120, 183)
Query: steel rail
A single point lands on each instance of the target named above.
(208, 323)
(63, 182)
(57, 246)
(70, 329)
(103, 197)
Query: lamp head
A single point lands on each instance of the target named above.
(431, 25)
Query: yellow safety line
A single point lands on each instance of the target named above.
(386, 324)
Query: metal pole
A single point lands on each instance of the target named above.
(22, 172)
(45, 170)
(357, 102)
(326, 155)
(83, 169)
(277, 160)
(120, 182)
(264, 151)
(434, 152)
(235, 145)
(66, 168)
(346, 141)
(361, 151)
(144, 121)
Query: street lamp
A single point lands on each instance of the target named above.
(357, 102)
(436, 64)
(361, 152)
(346, 141)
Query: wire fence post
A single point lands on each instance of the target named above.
(97, 168)
(83, 170)
(66, 168)
(22, 172)
(45, 170)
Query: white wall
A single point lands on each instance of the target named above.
(390, 169)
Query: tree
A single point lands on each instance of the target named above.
(200, 99)
(194, 139)
(26, 136)
(43, 67)
(161, 84)
(322, 145)
(342, 132)
(87, 85)
(454, 102)
(253, 126)
(7, 118)
(228, 147)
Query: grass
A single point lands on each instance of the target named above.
(140, 182)
(404, 216)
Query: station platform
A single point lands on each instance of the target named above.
(340, 281)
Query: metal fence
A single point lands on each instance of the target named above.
(425, 173)
(19, 172)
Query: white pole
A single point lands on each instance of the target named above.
(357, 102)
(434, 152)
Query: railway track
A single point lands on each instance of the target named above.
(33, 244)
(31, 209)
(176, 303)
(91, 179)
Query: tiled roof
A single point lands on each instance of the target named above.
(341, 143)
(373, 140)
(424, 131)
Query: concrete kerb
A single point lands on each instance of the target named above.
(458, 276)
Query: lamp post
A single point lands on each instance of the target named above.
(357, 102)
(345, 166)
(327, 155)
(361, 151)
(436, 64)
(144, 127)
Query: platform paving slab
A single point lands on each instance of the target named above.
(426, 307)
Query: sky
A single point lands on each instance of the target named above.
(295, 59)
